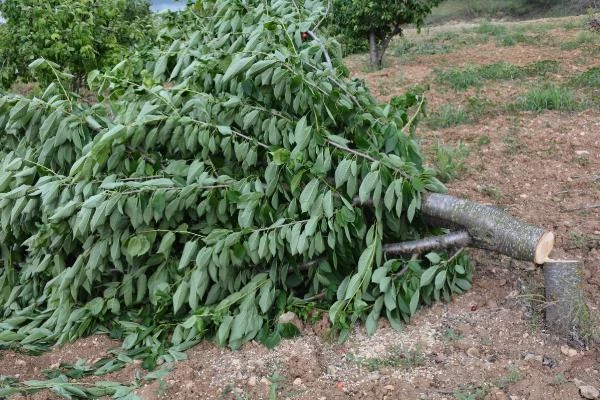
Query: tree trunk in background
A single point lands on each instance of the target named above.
(373, 53)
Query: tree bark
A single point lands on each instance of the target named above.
(490, 228)
(564, 295)
(373, 53)
(453, 239)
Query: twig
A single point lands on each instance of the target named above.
(597, 205)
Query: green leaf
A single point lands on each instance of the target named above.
(367, 186)
(189, 253)
(308, 195)
(440, 279)
(342, 172)
(463, 284)
(433, 257)
(302, 134)
(237, 66)
(428, 275)
(414, 302)
(410, 213)
(180, 296)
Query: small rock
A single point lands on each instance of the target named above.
(331, 370)
(264, 381)
(20, 363)
(582, 152)
(189, 385)
(291, 318)
(568, 351)
(530, 356)
(548, 362)
(389, 388)
(297, 382)
(473, 352)
(589, 392)
(496, 394)
(440, 359)
(492, 304)
(252, 380)
(54, 366)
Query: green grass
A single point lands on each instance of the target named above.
(584, 39)
(459, 78)
(463, 78)
(589, 78)
(488, 28)
(548, 97)
(448, 115)
(448, 161)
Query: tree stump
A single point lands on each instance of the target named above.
(564, 295)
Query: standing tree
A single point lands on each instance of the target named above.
(380, 21)
(80, 35)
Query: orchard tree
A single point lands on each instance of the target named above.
(79, 35)
(380, 21)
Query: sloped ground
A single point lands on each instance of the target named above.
(543, 167)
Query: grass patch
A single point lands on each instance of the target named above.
(490, 29)
(397, 358)
(548, 97)
(448, 115)
(459, 78)
(463, 78)
(589, 78)
(499, 71)
(583, 39)
(448, 161)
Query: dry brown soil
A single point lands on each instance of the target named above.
(488, 343)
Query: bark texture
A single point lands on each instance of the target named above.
(564, 294)
(490, 228)
(453, 239)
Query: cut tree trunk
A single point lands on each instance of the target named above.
(490, 228)
(564, 294)
(453, 239)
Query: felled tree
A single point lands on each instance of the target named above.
(235, 176)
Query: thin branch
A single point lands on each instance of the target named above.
(591, 206)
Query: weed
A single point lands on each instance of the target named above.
(275, 380)
(478, 107)
(397, 358)
(491, 191)
(547, 97)
(541, 68)
(513, 376)
(452, 335)
(488, 28)
(459, 79)
(511, 139)
(483, 140)
(589, 78)
(559, 379)
(472, 393)
(499, 71)
(448, 115)
(583, 39)
(449, 162)
(582, 159)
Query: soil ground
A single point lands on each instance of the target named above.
(543, 167)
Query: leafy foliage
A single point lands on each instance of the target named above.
(379, 21)
(78, 35)
(232, 176)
